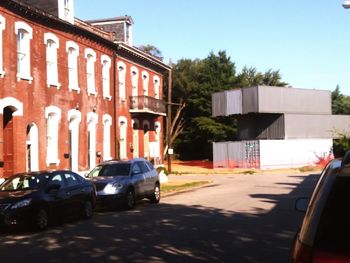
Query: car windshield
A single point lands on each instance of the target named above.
(116, 169)
(24, 182)
(334, 229)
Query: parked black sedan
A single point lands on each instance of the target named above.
(37, 197)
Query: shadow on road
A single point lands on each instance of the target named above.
(167, 233)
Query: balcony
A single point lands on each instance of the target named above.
(149, 105)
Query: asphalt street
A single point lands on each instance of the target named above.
(237, 218)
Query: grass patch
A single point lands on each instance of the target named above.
(173, 187)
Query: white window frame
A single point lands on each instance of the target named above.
(53, 117)
(24, 34)
(106, 79)
(66, 10)
(145, 82)
(34, 147)
(156, 84)
(52, 45)
(107, 123)
(90, 57)
(121, 78)
(134, 72)
(2, 28)
(146, 150)
(135, 137)
(92, 120)
(123, 126)
(74, 119)
(72, 50)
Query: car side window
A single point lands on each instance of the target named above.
(71, 179)
(57, 179)
(150, 166)
(136, 169)
(144, 167)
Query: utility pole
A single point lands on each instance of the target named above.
(168, 118)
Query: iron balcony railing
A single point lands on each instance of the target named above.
(146, 104)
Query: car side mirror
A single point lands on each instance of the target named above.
(301, 204)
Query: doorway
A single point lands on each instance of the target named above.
(8, 142)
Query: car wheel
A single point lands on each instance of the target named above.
(155, 198)
(130, 199)
(88, 210)
(41, 219)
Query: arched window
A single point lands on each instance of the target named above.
(90, 56)
(74, 119)
(24, 34)
(107, 123)
(156, 83)
(121, 77)
(2, 28)
(145, 81)
(134, 80)
(92, 120)
(135, 137)
(73, 53)
(146, 127)
(123, 122)
(106, 65)
(32, 148)
(53, 116)
(52, 44)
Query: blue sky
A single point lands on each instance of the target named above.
(307, 40)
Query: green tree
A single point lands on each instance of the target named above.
(194, 82)
(151, 50)
(340, 105)
(340, 102)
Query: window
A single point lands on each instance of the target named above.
(135, 137)
(52, 44)
(53, 116)
(58, 180)
(122, 137)
(106, 65)
(156, 83)
(90, 56)
(65, 10)
(71, 179)
(121, 76)
(2, 28)
(145, 80)
(74, 119)
(73, 53)
(107, 122)
(24, 34)
(92, 120)
(134, 80)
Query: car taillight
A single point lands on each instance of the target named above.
(301, 253)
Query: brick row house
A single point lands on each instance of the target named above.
(74, 93)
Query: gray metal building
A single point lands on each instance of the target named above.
(278, 113)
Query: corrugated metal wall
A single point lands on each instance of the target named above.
(250, 100)
(315, 126)
(266, 99)
(291, 100)
(218, 106)
(270, 154)
(244, 154)
(260, 126)
(233, 102)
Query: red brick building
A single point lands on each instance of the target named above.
(73, 94)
